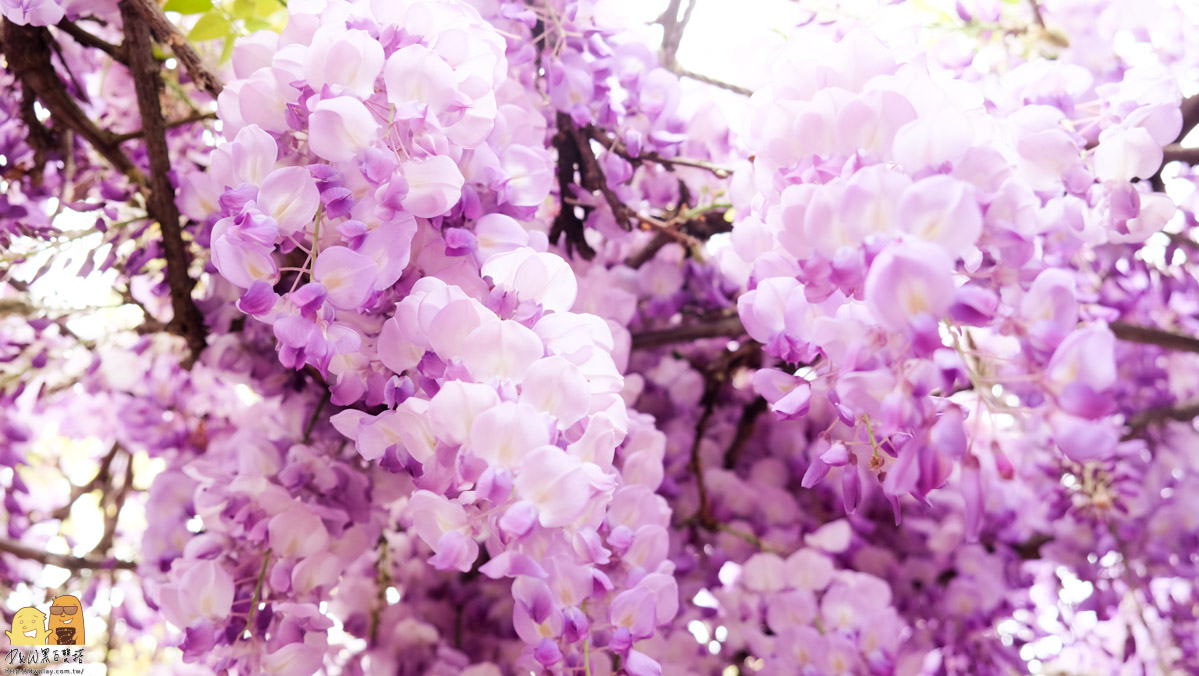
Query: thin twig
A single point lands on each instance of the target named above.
(190, 119)
(100, 480)
(1036, 13)
(316, 413)
(112, 513)
(614, 144)
(736, 89)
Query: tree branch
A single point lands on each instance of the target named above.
(567, 222)
(112, 511)
(736, 89)
(1148, 335)
(100, 480)
(1030, 549)
(614, 144)
(1178, 413)
(117, 52)
(147, 83)
(1190, 116)
(575, 152)
(716, 374)
(745, 430)
(591, 175)
(73, 563)
(694, 463)
(190, 119)
(1036, 13)
(27, 50)
(672, 30)
(165, 32)
(1176, 153)
(725, 327)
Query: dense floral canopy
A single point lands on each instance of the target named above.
(484, 337)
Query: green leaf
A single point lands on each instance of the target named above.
(244, 9)
(188, 6)
(265, 8)
(211, 26)
(255, 25)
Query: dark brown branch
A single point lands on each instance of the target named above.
(725, 327)
(1190, 116)
(745, 430)
(647, 254)
(695, 464)
(591, 174)
(698, 229)
(1182, 241)
(27, 50)
(165, 32)
(190, 119)
(100, 480)
(568, 222)
(1148, 335)
(1176, 153)
(717, 373)
(73, 563)
(112, 513)
(41, 139)
(147, 82)
(316, 414)
(575, 153)
(117, 52)
(1030, 549)
(1178, 413)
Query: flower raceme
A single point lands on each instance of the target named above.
(877, 246)
(384, 156)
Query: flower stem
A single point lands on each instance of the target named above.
(257, 591)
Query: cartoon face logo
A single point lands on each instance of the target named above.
(28, 627)
(66, 621)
